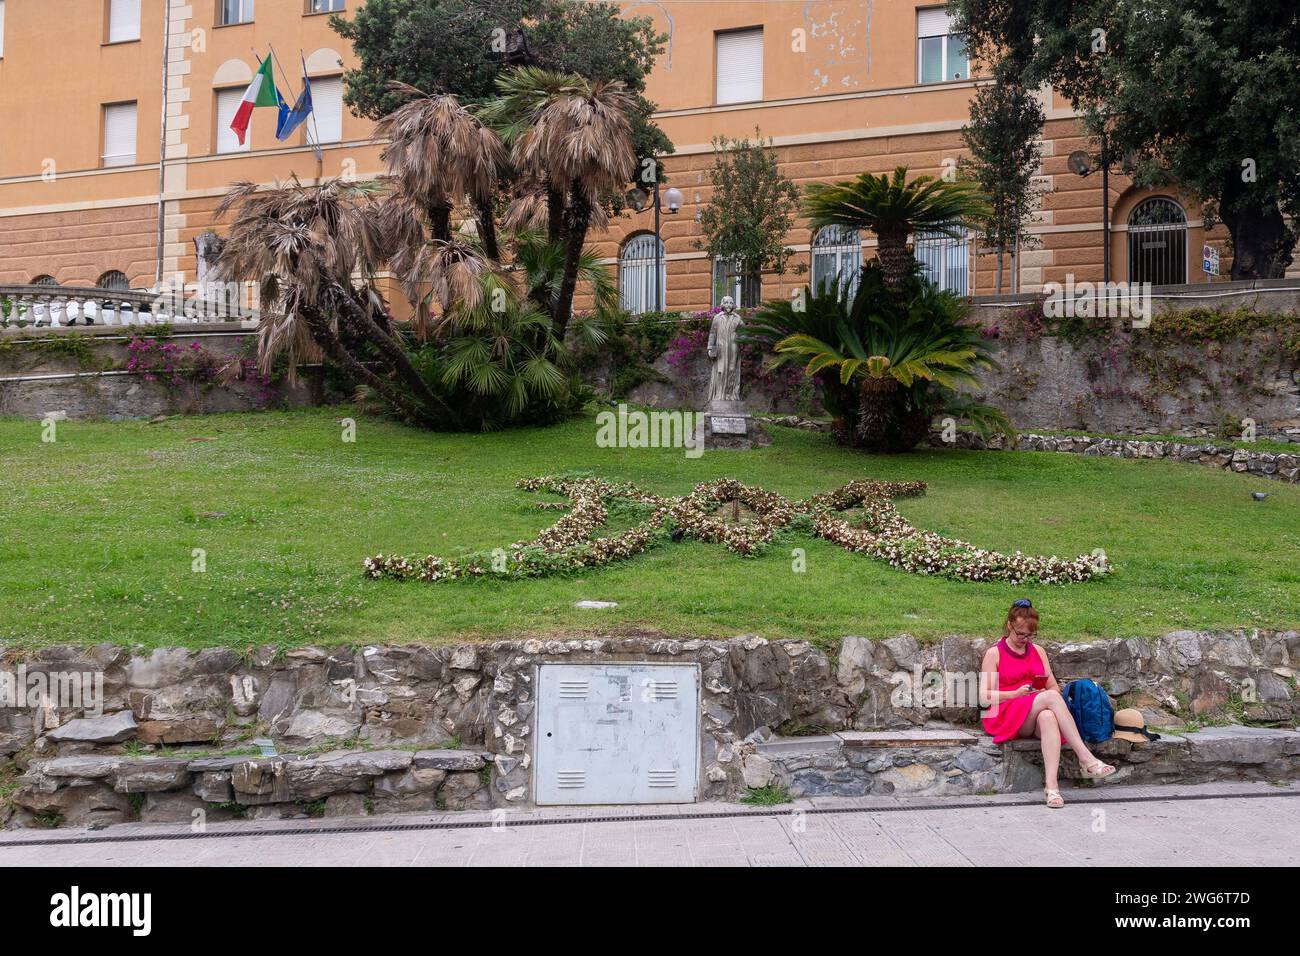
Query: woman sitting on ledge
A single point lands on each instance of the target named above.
(1024, 699)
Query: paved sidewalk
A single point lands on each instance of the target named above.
(1210, 825)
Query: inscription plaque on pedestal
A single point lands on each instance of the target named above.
(728, 425)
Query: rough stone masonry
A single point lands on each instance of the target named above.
(414, 727)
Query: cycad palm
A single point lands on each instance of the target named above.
(885, 360)
(893, 209)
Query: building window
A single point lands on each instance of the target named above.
(45, 280)
(636, 274)
(227, 106)
(325, 6)
(945, 260)
(123, 21)
(119, 134)
(234, 11)
(730, 278)
(738, 64)
(114, 280)
(940, 53)
(325, 125)
(1157, 242)
(836, 256)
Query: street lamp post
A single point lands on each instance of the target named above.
(672, 201)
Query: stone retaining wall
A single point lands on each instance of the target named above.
(839, 765)
(81, 372)
(1263, 464)
(354, 723)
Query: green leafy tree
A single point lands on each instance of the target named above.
(1006, 121)
(752, 208)
(462, 47)
(1196, 93)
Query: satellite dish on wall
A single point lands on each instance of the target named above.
(1080, 163)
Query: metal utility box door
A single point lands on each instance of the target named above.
(617, 733)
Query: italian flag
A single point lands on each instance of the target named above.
(261, 92)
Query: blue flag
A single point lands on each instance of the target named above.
(291, 119)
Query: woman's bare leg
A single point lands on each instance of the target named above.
(1050, 735)
(1052, 701)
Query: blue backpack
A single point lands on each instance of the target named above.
(1090, 707)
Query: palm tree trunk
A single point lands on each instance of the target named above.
(356, 370)
(366, 328)
(896, 260)
(554, 213)
(487, 228)
(875, 412)
(575, 235)
(440, 221)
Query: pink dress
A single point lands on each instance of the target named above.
(1014, 671)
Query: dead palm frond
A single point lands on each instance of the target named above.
(439, 153)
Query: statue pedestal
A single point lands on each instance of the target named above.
(728, 425)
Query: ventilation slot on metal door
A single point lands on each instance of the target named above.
(574, 689)
(662, 690)
(662, 779)
(570, 779)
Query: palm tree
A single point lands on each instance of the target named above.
(304, 247)
(572, 138)
(903, 360)
(439, 153)
(894, 209)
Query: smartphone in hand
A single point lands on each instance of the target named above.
(1040, 682)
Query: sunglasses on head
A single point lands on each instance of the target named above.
(1023, 602)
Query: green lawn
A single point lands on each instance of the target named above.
(97, 532)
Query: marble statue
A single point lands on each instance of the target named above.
(724, 350)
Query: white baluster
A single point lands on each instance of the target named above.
(110, 313)
(72, 309)
(39, 310)
(56, 313)
(90, 309)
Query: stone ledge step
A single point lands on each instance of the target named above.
(950, 737)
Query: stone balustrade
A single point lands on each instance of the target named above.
(35, 307)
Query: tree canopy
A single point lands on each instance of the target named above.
(1201, 94)
(462, 47)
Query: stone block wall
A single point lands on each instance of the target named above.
(59, 370)
(389, 728)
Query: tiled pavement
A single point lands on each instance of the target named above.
(1214, 824)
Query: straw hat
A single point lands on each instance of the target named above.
(1130, 725)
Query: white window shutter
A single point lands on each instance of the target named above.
(933, 22)
(227, 106)
(327, 109)
(123, 20)
(739, 65)
(119, 134)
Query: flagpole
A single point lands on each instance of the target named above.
(320, 156)
(162, 147)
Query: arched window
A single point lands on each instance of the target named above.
(1157, 242)
(946, 260)
(45, 280)
(836, 254)
(730, 278)
(636, 274)
(114, 280)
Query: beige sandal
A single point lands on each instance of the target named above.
(1097, 771)
(1054, 799)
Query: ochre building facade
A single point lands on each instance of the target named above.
(839, 88)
